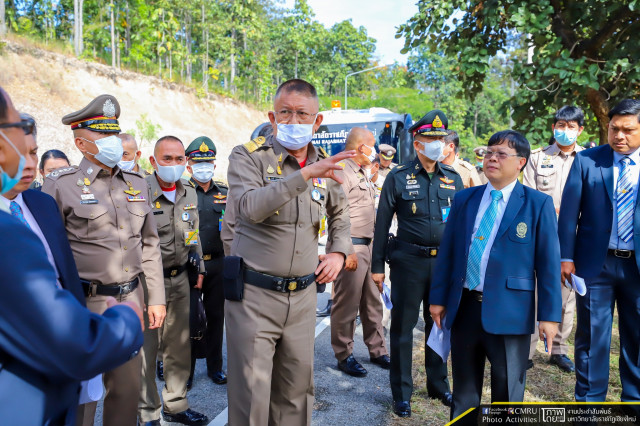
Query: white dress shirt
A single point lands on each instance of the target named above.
(35, 228)
(484, 205)
(614, 241)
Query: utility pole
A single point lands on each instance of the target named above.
(354, 73)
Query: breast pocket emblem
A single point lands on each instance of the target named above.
(521, 230)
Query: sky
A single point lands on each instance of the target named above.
(379, 17)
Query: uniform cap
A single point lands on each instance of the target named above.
(387, 151)
(434, 123)
(100, 115)
(201, 149)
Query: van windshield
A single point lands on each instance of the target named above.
(332, 136)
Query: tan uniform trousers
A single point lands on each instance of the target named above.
(122, 384)
(356, 290)
(270, 338)
(176, 354)
(560, 346)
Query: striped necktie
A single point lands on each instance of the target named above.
(625, 201)
(481, 239)
(17, 212)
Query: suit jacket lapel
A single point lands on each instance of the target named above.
(607, 171)
(513, 207)
(45, 228)
(471, 212)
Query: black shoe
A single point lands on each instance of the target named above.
(152, 423)
(189, 383)
(383, 361)
(352, 367)
(187, 417)
(160, 370)
(563, 362)
(446, 398)
(326, 311)
(219, 378)
(529, 364)
(402, 408)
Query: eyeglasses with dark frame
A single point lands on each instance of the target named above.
(27, 125)
(499, 155)
(286, 115)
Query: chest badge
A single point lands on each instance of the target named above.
(446, 180)
(414, 208)
(157, 204)
(279, 170)
(131, 191)
(270, 169)
(185, 217)
(86, 181)
(521, 230)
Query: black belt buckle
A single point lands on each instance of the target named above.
(92, 290)
(126, 288)
(429, 251)
(623, 254)
(475, 295)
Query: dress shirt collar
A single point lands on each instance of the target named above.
(506, 191)
(7, 202)
(634, 156)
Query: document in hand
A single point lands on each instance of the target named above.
(577, 284)
(386, 296)
(440, 340)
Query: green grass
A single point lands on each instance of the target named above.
(545, 382)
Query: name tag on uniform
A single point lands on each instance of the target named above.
(413, 186)
(442, 185)
(88, 197)
(547, 166)
(89, 202)
(273, 179)
(191, 238)
(445, 213)
(158, 212)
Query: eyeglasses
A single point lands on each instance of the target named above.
(499, 155)
(26, 124)
(286, 115)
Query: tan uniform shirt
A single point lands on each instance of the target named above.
(360, 195)
(276, 220)
(467, 172)
(178, 223)
(548, 169)
(385, 171)
(113, 239)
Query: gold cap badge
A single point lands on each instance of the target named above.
(204, 147)
(437, 122)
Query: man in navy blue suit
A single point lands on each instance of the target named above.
(499, 238)
(599, 227)
(49, 342)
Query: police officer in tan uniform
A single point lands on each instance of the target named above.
(113, 237)
(354, 288)
(480, 151)
(386, 159)
(466, 171)
(175, 209)
(279, 187)
(547, 171)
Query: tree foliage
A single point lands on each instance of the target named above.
(582, 52)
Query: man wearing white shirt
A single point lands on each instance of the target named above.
(499, 238)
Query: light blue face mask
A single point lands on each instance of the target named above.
(6, 181)
(565, 137)
(295, 136)
(109, 150)
(127, 166)
(170, 174)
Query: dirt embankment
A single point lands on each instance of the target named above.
(49, 85)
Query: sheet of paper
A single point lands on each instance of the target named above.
(440, 340)
(91, 390)
(577, 284)
(386, 296)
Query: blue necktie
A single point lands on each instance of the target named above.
(17, 212)
(480, 240)
(625, 201)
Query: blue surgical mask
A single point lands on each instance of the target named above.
(6, 181)
(127, 165)
(565, 137)
(203, 172)
(295, 136)
(109, 150)
(170, 174)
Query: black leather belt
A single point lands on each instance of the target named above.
(283, 285)
(416, 249)
(92, 288)
(174, 272)
(473, 294)
(623, 254)
(360, 241)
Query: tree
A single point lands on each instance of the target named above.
(583, 52)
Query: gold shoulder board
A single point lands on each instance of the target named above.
(254, 144)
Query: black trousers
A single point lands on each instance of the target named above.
(471, 346)
(410, 283)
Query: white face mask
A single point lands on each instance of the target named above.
(127, 165)
(372, 156)
(109, 150)
(170, 174)
(295, 136)
(433, 150)
(203, 172)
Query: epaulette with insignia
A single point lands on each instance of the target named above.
(188, 182)
(323, 153)
(467, 165)
(61, 172)
(398, 168)
(254, 144)
(537, 150)
(447, 167)
(221, 183)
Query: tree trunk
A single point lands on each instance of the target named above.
(81, 26)
(188, 41)
(3, 22)
(295, 75)
(127, 32)
(205, 60)
(233, 61)
(600, 108)
(113, 36)
(475, 123)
